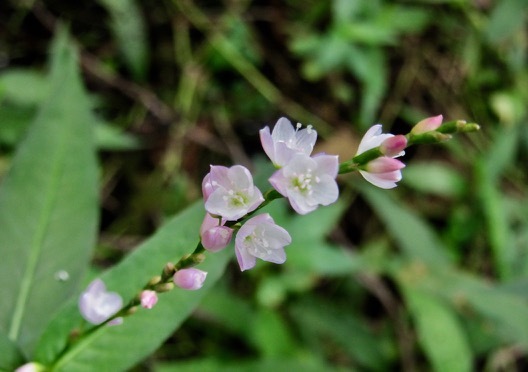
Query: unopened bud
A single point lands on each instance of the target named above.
(191, 279)
(154, 280)
(131, 311)
(427, 125)
(165, 287)
(168, 270)
(148, 299)
(394, 146)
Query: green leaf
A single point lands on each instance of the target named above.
(434, 178)
(10, 356)
(129, 30)
(412, 234)
(48, 206)
(271, 335)
(121, 347)
(24, 86)
(439, 332)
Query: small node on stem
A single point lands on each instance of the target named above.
(165, 287)
(154, 280)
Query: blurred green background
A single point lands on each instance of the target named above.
(430, 276)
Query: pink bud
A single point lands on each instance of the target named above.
(148, 299)
(384, 165)
(30, 367)
(217, 238)
(394, 146)
(214, 236)
(190, 279)
(427, 125)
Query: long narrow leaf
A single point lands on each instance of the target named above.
(48, 206)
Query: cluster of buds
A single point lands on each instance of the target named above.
(231, 201)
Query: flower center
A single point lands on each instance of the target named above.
(236, 199)
(302, 182)
(256, 244)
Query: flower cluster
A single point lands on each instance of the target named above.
(230, 195)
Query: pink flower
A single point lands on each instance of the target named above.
(285, 141)
(260, 238)
(191, 279)
(427, 125)
(383, 172)
(148, 299)
(230, 192)
(213, 234)
(308, 182)
(97, 305)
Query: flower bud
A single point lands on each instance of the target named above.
(148, 299)
(394, 146)
(384, 165)
(154, 280)
(165, 287)
(30, 367)
(190, 279)
(427, 125)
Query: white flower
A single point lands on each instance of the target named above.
(261, 238)
(97, 305)
(230, 192)
(285, 142)
(308, 182)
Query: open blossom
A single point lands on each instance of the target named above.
(285, 141)
(385, 171)
(97, 305)
(214, 235)
(308, 182)
(260, 238)
(190, 279)
(148, 299)
(230, 192)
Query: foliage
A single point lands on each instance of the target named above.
(431, 275)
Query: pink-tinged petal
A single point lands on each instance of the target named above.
(283, 154)
(240, 176)
(279, 182)
(207, 186)
(372, 138)
(302, 205)
(148, 299)
(208, 223)
(190, 279)
(327, 164)
(326, 191)
(219, 176)
(283, 131)
(267, 142)
(305, 140)
(427, 124)
(394, 146)
(377, 181)
(384, 164)
(245, 260)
